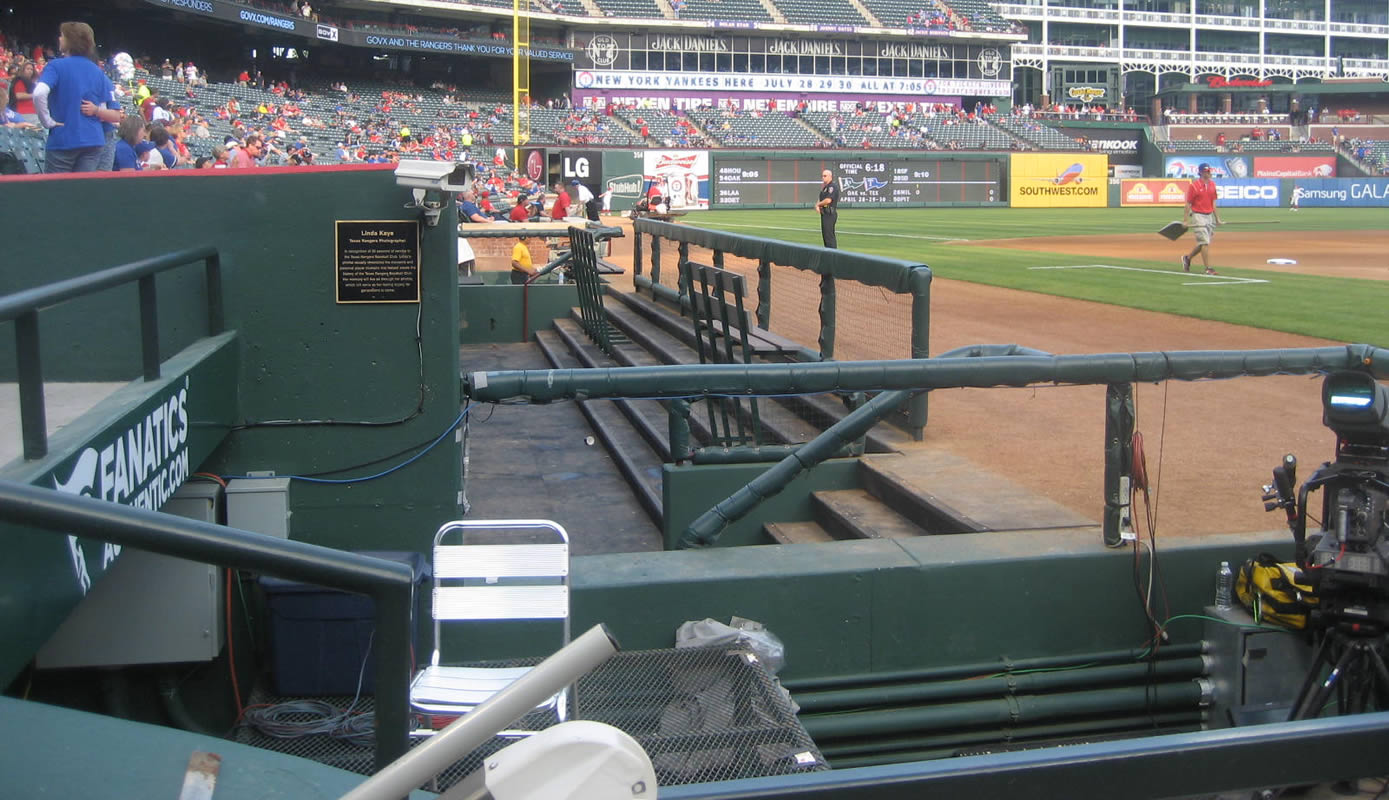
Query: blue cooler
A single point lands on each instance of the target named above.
(320, 637)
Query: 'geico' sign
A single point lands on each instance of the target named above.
(1246, 192)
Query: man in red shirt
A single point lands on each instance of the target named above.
(1201, 217)
(561, 207)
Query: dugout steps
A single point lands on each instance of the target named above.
(907, 489)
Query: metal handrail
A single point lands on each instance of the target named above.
(894, 275)
(23, 308)
(389, 583)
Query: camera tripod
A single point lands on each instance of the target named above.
(1354, 652)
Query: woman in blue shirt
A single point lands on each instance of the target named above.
(75, 139)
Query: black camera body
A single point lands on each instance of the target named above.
(1347, 561)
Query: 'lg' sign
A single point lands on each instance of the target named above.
(578, 168)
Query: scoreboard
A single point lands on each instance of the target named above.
(740, 181)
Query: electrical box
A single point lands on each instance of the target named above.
(148, 608)
(1255, 672)
(259, 505)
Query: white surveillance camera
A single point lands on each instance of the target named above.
(441, 175)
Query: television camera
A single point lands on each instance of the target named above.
(1347, 561)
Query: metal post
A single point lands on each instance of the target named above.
(216, 317)
(764, 293)
(684, 287)
(636, 252)
(921, 346)
(826, 317)
(32, 417)
(678, 421)
(393, 643)
(1118, 457)
(149, 328)
(655, 263)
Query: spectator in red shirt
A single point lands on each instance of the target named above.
(561, 207)
(1201, 217)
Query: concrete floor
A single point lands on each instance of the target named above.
(533, 462)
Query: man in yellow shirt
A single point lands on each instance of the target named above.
(521, 268)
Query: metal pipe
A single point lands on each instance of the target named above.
(545, 385)
(1051, 730)
(1186, 723)
(47, 296)
(1005, 710)
(1008, 684)
(763, 454)
(149, 328)
(465, 734)
(1172, 765)
(33, 414)
(705, 530)
(1001, 664)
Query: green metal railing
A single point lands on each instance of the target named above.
(389, 583)
(584, 258)
(894, 275)
(721, 337)
(24, 307)
(907, 376)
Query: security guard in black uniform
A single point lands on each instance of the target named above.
(828, 208)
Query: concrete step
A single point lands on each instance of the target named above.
(856, 514)
(630, 453)
(662, 343)
(796, 533)
(671, 338)
(944, 493)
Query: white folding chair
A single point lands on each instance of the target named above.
(491, 580)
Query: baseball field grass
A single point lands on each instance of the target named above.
(1339, 309)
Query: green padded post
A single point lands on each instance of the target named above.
(1118, 457)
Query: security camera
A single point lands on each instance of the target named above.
(441, 175)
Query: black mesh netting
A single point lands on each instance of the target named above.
(702, 714)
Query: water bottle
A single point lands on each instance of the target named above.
(1224, 586)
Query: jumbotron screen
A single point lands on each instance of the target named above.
(742, 181)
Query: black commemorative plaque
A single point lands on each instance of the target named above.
(378, 261)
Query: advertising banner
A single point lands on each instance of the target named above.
(1221, 166)
(1153, 192)
(1295, 166)
(622, 50)
(1122, 145)
(759, 82)
(1039, 180)
(681, 176)
(533, 165)
(584, 166)
(308, 29)
(747, 101)
(624, 176)
(1358, 192)
(1125, 170)
(1249, 192)
(772, 180)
